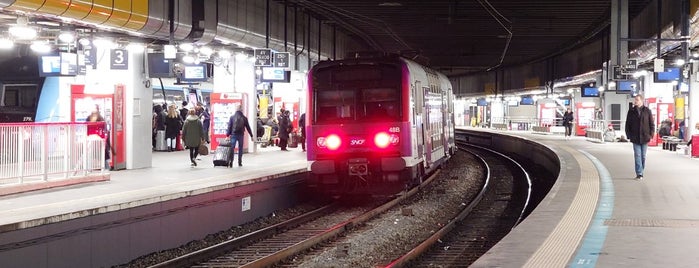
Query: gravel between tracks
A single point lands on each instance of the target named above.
(392, 234)
(383, 238)
(219, 237)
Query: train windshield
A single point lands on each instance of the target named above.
(357, 93)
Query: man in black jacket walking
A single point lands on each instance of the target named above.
(237, 125)
(640, 128)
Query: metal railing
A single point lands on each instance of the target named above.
(42, 152)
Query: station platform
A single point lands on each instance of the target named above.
(170, 177)
(598, 215)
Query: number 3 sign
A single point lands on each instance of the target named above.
(119, 59)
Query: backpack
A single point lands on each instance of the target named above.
(238, 124)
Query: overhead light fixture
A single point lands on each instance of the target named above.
(22, 32)
(6, 43)
(84, 41)
(241, 56)
(206, 51)
(66, 37)
(224, 54)
(679, 62)
(186, 47)
(40, 47)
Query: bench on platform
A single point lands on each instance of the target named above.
(595, 135)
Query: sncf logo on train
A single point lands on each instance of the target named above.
(357, 141)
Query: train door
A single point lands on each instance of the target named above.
(417, 119)
(428, 126)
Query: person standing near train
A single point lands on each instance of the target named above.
(640, 127)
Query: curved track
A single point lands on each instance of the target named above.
(499, 207)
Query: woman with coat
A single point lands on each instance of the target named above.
(173, 125)
(193, 133)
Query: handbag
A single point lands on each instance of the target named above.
(203, 150)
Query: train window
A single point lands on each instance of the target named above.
(380, 103)
(335, 105)
(10, 99)
(20, 96)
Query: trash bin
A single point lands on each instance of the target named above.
(160, 144)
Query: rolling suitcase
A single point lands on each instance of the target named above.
(695, 146)
(222, 155)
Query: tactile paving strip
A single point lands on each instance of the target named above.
(561, 244)
(669, 223)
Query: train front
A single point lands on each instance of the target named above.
(359, 131)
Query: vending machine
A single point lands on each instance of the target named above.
(111, 107)
(223, 106)
(584, 114)
(661, 111)
(547, 114)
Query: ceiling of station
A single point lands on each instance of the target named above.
(471, 35)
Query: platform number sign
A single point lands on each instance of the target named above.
(119, 59)
(263, 57)
(281, 59)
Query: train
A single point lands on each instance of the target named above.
(376, 125)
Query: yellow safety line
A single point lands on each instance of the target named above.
(561, 244)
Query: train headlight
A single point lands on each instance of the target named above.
(331, 142)
(382, 140)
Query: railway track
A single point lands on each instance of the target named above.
(499, 207)
(276, 243)
(482, 222)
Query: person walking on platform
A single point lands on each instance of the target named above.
(568, 123)
(173, 125)
(640, 127)
(193, 133)
(237, 125)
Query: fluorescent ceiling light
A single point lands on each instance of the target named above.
(186, 47)
(66, 37)
(23, 32)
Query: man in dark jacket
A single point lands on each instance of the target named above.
(302, 126)
(640, 127)
(237, 125)
(284, 130)
(184, 112)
